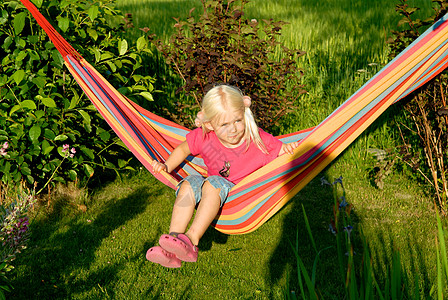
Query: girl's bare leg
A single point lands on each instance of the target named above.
(207, 210)
(183, 208)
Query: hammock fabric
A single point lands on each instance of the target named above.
(261, 194)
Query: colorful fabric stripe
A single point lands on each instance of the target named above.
(261, 194)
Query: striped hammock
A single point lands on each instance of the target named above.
(261, 194)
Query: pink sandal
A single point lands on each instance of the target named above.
(162, 257)
(179, 245)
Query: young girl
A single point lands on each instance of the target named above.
(232, 147)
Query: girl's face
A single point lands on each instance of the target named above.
(229, 128)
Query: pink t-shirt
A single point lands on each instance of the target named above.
(236, 162)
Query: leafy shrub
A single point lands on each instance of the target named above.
(426, 138)
(14, 233)
(224, 47)
(42, 108)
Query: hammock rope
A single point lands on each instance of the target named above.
(261, 194)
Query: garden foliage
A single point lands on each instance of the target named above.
(425, 139)
(14, 232)
(222, 46)
(43, 112)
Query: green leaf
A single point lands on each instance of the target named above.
(106, 56)
(4, 17)
(28, 104)
(92, 33)
(19, 22)
(39, 81)
(57, 58)
(21, 56)
(121, 163)
(93, 12)
(25, 171)
(112, 66)
(85, 116)
(97, 54)
(35, 132)
(122, 47)
(49, 134)
(48, 102)
(61, 137)
(147, 96)
(59, 179)
(14, 109)
(88, 170)
(30, 179)
(88, 152)
(141, 43)
(7, 42)
(63, 23)
(18, 76)
(39, 114)
(72, 175)
(47, 150)
(21, 43)
(105, 136)
(45, 145)
(38, 3)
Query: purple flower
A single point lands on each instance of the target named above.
(332, 228)
(323, 181)
(73, 151)
(3, 149)
(348, 229)
(65, 147)
(338, 180)
(343, 203)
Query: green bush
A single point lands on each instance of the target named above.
(50, 131)
(426, 136)
(224, 47)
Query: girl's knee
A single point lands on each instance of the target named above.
(185, 194)
(209, 190)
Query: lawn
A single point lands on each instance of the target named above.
(91, 244)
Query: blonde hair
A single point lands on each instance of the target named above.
(220, 99)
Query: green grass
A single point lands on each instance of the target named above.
(99, 253)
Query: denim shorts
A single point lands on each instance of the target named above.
(218, 182)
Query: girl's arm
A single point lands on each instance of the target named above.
(179, 154)
(288, 148)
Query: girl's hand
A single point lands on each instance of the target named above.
(157, 167)
(289, 148)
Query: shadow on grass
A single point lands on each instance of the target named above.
(414, 265)
(58, 253)
(317, 200)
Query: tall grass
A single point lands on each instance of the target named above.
(357, 273)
